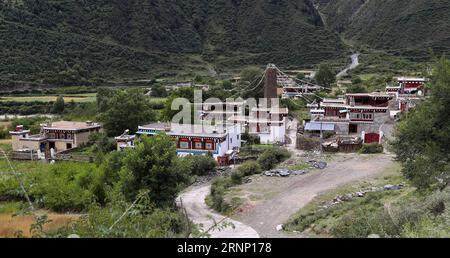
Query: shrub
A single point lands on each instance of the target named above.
(236, 177)
(217, 196)
(251, 139)
(372, 148)
(201, 165)
(249, 168)
(271, 157)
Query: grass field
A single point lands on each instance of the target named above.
(87, 97)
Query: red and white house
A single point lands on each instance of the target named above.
(356, 114)
(408, 92)
(220, 141)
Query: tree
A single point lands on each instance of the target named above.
(201, 165)
(159, 91)
(357, 88)
(249, 80)
(126, 109)
(227, 85)
(423, 135)
(58, 106)
(271, 157)
(300, 76)
(325, 76)
(103, 96)
(154, 166)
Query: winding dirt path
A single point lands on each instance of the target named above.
(193, 200)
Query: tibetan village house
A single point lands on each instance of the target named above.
(269, 124)
(407, 93)
(54, 137)
(221, 141)
(356, 114)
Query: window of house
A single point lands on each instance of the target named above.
(69, 146)
(184, 145)
(209, 146)
(198, 145)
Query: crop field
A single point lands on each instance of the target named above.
(79, 98)
(10, 225)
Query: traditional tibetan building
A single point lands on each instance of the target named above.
(54, 137)
(407, 93)
(269, 124)
(220, 141)
(356, 114)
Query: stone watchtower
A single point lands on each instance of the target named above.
(270, 85)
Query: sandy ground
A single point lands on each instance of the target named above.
(285, 196)
(193, 200)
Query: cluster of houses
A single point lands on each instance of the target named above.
(223, 124)
(365, 114)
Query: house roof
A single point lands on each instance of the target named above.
(314, 126)
(71, 125)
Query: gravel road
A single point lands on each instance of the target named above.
(193, 200)
(293, 193)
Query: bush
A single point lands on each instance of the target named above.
(362, 223)
(372, 148)
(249, 168)
(236, 177)
(251, 139)
(217, 196)
(271, 157)
(201, 165)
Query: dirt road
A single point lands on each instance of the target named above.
(285, 196)
(193, 200)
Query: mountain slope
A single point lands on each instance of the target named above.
(403, 27)
(72, 42)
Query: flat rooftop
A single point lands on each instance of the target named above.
(405, 78)
(373, 94)
(70, 125)
(197, 130)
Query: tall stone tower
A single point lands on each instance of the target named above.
(270, 85)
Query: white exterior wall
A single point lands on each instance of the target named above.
(233, 140)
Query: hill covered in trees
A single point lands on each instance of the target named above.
(81, 42)
(402, 27)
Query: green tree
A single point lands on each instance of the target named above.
(227, 85)
(103, 96)
(300, 76)
(249, 78)
(423, 135)
(325, 76)
(126, 109)
(58, 106)
(154, 166)
(159, 91)
(271, 157)
(201, 165)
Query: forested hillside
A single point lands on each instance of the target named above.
(403, 27)
(79, 42)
